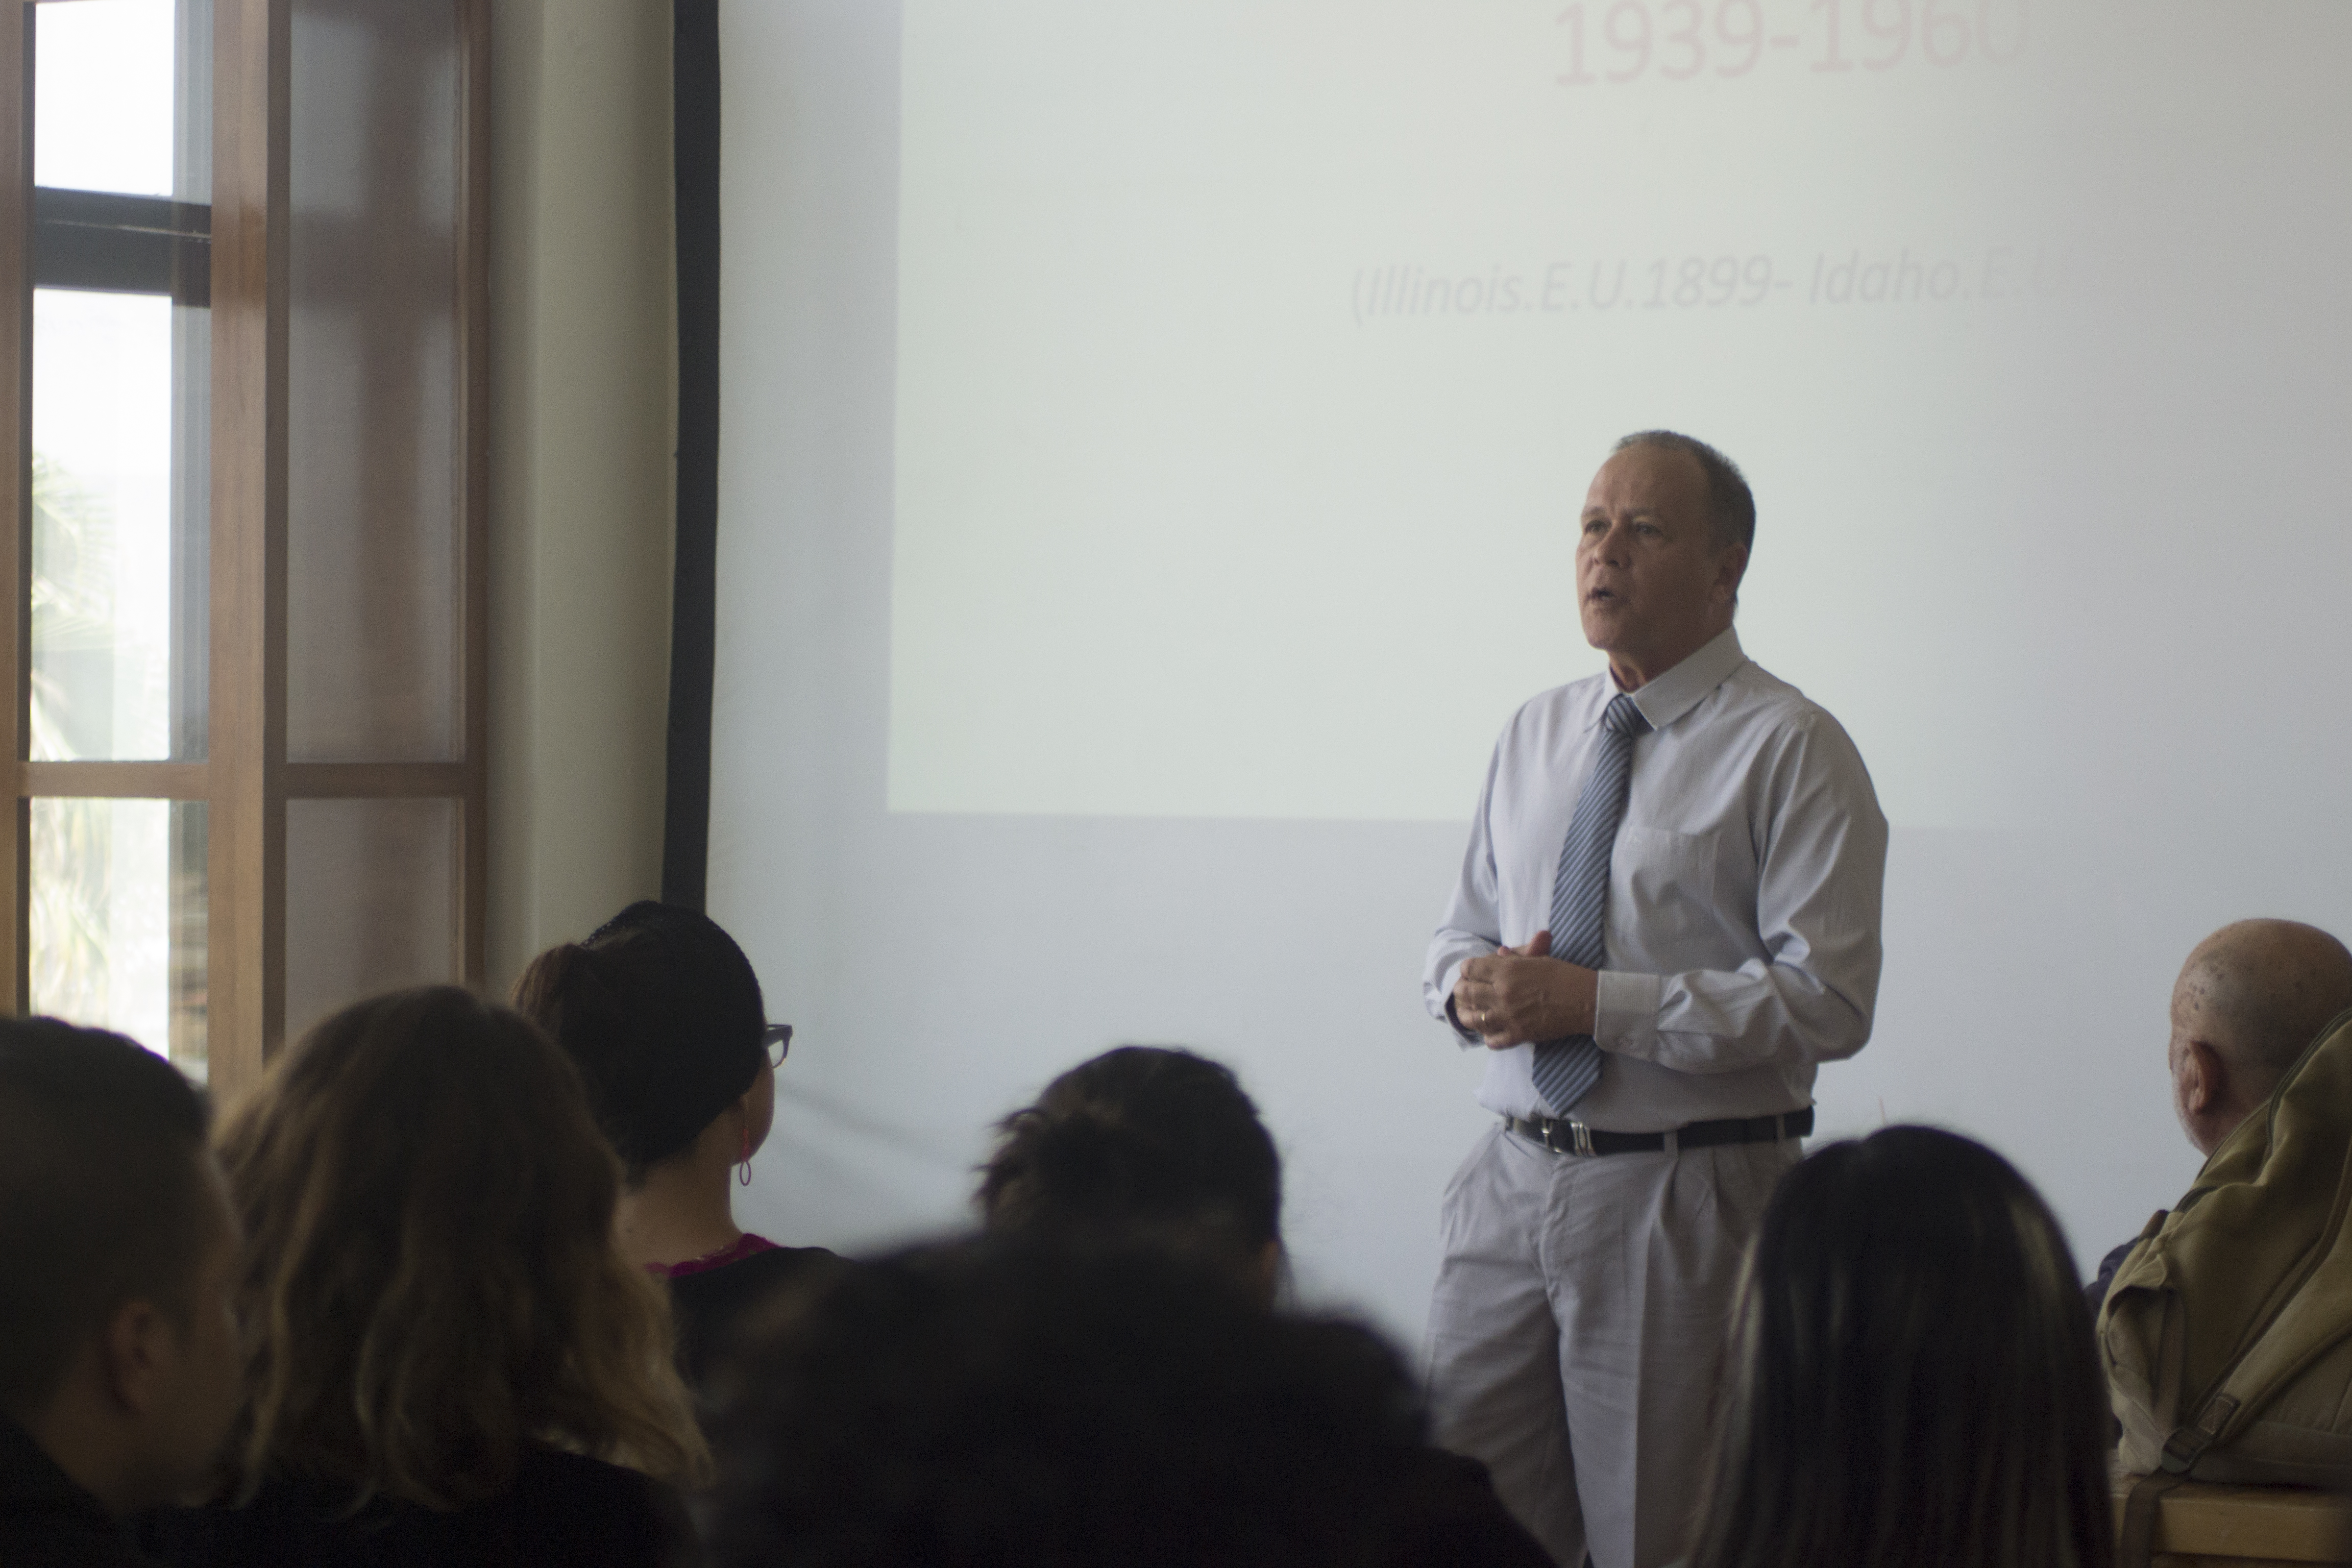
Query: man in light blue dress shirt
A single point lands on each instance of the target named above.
(1592, 1250)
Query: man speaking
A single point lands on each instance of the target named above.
(1668, 917)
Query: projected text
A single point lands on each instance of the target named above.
(1685, 40)
(1994, 274)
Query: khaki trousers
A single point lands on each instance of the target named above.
(1579, 1329)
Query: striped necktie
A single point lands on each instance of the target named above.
(1566, 1070)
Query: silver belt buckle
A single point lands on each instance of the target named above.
(1579, 1136)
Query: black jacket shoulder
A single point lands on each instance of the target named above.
(47, 1520)
(709, 1305)
(563, 1508)
(1445, 1512)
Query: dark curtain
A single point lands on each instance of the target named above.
(686, 835)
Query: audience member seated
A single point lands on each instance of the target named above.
(1009, 1403)
(1913, 1381)
(662, 1013)
(1159, 1149)
(446, 1360)
(2251, 998)
(1151, 1146)
(118, 1362)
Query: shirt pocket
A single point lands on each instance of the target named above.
(1661, 883)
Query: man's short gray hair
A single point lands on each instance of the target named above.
(1730, 504)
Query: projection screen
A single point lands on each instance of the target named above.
(1152, 437)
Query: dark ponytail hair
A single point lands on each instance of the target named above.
(1140, 1144)
(662, 1013)
(1914, 1383)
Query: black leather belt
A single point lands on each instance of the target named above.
(1565, 1137)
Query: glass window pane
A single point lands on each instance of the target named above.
(192, 167)
(103, 604)
(370, 901)
(374, 570)
(121, 390)
(118, 919)
(103, 73)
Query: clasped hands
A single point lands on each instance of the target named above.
(1523, 993)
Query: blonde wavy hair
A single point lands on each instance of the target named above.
(430, 1280)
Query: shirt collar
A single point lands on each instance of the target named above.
(1677, 691)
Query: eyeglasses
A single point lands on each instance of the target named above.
(776, 1039)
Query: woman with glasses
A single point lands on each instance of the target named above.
(662, 1013)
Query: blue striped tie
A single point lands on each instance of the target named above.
(1566, 1070)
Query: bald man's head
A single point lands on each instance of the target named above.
(2251, 997)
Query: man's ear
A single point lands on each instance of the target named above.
(2204, 1082)
(1729, 570)
(137, 1352)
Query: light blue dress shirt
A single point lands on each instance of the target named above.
(1744, 893)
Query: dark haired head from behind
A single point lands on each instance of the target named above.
(1144, 1145)
(662, 1013)
(1001, 1403)
(1914, 1383)
(119, 1364)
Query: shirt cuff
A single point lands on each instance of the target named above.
(1446, 982)
(1625, 1013)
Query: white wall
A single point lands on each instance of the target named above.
(584, 409)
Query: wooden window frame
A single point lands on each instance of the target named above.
(245, 779)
